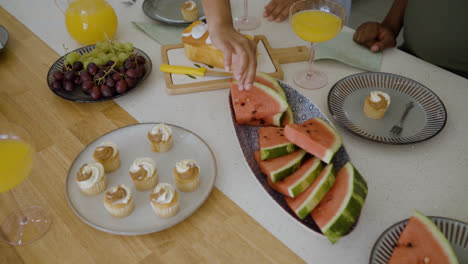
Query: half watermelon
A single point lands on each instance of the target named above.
(257, 103)
(273, 143)
(341, 206)
(315, 136)
(303, 204)
(299, 181)
(279, 168)
(422, 242)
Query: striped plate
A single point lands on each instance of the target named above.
(426, 119)
(455, 231)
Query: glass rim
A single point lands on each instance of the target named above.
(331, 2)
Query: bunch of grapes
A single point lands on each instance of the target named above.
(111, 68)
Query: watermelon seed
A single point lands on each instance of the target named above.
(315, 130)
(410, 245)
(242, 104)
(262, 122)
(308, 131)
(264, 136)
(254, 112)
(281, 135)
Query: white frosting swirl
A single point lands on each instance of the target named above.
(208, 40)
(166, 193)
(97, 172)
(148, 164)
(375, 98)
(162, 129)
(186, 164)
(114, 147)
(127, 197)
(192, 6)
(197, 31)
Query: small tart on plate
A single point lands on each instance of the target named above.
(144, 174)
(164, 200)
(187, 175)
(189, 10)
(107, 153)
(376, 104)
(119, 201)
(91, 179)
(160, 137)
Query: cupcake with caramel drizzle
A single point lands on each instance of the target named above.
(189, 11)
(187, 175)
(108, 155)
(144, 174)
(160, 137)
(164, 200)
(91, 179)
(119, 201)
(376, 104)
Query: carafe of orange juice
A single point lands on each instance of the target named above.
(89, 21)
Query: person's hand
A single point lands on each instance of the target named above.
(375, 36)
(239, 51)
(278, 10)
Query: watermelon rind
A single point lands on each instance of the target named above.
(438, 235)
(336, 145)
(289, 168)
(277, 151)
(274, 83)
(306, 180)
(290, 114)
(351, 207)
(316, 196)
(278, 119)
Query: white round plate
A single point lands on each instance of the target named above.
(133, 143)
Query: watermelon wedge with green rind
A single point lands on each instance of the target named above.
(299, 181)
(289, 117)
(341, 206)
(422, 242)
(303, 204)
(275, 120)
(273, 143)
(279, 168)
(257, 103)
(315, 136)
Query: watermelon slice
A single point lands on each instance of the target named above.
(303, 204)
(271, 82)
(422, 242)
(273, 143)
(296, 183)
(279, 168)
(315, 136)
(275, 120)
(257, 103)
(341, 206)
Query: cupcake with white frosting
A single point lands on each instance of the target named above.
(187, 175)
(119, 201)
(376, 104)
(91, 179)
(164, 200)
(189, 11)
(107, 153)
(160, 137)
(144, 173)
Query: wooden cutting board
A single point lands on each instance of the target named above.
(269, 60)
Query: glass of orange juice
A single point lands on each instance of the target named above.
(89, 21)
(25, 225)
(315, 21)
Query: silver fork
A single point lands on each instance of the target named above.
(396, 129)
(129, 2)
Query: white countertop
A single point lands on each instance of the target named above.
(430, 176)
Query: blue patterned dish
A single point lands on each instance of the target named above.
(303, 110)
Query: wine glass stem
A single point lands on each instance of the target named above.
(246, 12)
(310, 73)
(24, 220)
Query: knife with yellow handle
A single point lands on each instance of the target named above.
(202, 71)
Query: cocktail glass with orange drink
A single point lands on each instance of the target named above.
(25, 225)
(315, 21)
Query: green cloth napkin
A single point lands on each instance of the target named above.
(163, 34)
(343, 48)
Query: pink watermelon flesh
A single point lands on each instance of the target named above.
(418, 243)
(268, 167)
(284, 185)
(269, 81)
(257, 103)
(315, 136)
(271, 136)
(266, 121)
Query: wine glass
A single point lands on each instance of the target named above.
(246, 22)
(315, 21)
(28, 224)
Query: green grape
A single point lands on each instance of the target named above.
(94, 52)
(119, 45)
(113, 58)
(72, 57)
(99, 44)
(123, 56)
(128, 46)
(85, 64)
(102, 56)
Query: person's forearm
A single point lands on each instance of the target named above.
(394, 18)
(218, 13)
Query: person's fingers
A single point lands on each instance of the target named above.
(240, 61)
(251, 66)
(227, 58)
(385, 40)
(366, 32)
(283, 15)
(268, 8)
(275, 12)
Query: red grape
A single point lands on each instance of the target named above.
(139, 72)
(92, 68)
(99, 74)
(95, 93)
(121, 86)
(58, 75)
(141, 60)
(116, 76)
(129, 64)
(85, 76)
(106, 91)
(130, 82)
(87, 86)
(77, 66)
(110, 63)
(131, 73)
(77, 80)
(110, 82)
(69, 75)
(56, 85)
(68, 85)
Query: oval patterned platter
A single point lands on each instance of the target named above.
(455, 231)
(425, 120)
(303, 110)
